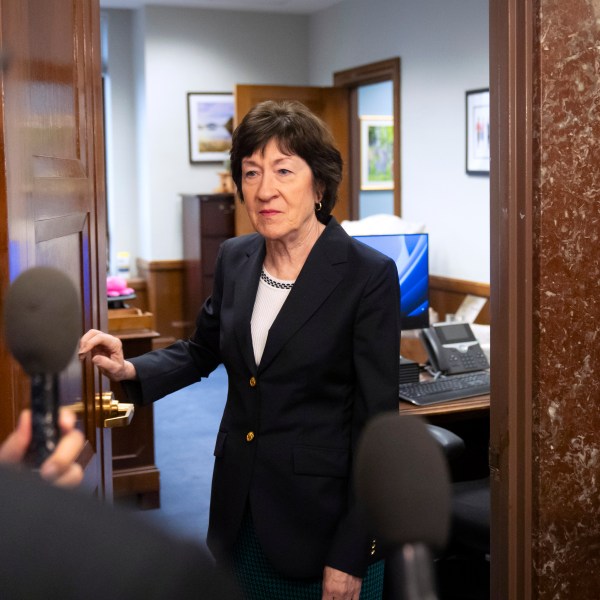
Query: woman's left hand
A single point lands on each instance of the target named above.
(60, 468)
(338, 585)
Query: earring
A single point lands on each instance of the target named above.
(318, 206)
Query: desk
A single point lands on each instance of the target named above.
(457, 408)
(136, 478)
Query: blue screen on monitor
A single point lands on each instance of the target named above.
(410, 253)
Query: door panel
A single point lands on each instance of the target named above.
(53, 187)
(329, 103)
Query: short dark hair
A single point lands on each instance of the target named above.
(297, 131)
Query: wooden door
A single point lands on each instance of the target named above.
(52, 198)
(329, 103)
(353, 79)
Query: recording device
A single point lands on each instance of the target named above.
(42, 321)
(403, 486)
(409, 371)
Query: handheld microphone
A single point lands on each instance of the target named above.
(42, 315)
(403, 485)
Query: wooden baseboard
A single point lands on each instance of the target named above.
(161, 284)
(163, 342)
(140, 287)
(164, 289)
(446, 295)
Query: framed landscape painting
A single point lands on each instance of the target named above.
(210, 125)
(376, 153)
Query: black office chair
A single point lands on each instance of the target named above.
(471, 515)
(463, 570)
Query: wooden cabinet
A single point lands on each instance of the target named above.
(136, 478)
(208, 220)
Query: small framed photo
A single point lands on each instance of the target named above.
(478, 132)
(376, 153)
(210, 125)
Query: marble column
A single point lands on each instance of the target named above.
(566, 436)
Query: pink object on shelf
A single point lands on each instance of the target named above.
(117, 286)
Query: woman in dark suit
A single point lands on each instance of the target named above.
(306, 321)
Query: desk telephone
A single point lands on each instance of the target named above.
(453, 348)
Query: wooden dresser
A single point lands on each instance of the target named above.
(208, 220)
(136, 478)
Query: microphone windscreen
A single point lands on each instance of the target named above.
(402, 482)
(42, 315)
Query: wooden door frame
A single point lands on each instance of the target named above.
(385, 70)
(513, 125)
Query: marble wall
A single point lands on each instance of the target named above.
(566, 144)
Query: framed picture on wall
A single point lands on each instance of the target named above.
(376, 153)
(210, 125)
(478, 132)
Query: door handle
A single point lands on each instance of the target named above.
(119, 413)
(124, 413)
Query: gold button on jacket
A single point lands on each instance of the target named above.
(250, 436)
(252, 381)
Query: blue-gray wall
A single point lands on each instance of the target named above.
(444, 52)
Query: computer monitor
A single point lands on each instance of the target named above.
(410, 252)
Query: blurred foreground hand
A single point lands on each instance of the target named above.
(60, 467)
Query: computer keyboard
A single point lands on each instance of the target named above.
(445, 388)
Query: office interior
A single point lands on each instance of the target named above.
(158, 54)
(527, 230)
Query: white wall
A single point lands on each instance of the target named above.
(444, 52)
(443, 48)
(121, 133)
(180, 50)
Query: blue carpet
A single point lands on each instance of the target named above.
(185, 429)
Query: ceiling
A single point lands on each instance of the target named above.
(280, 6)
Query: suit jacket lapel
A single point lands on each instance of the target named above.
(318, 278)
(246, 284)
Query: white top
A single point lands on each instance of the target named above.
(270, 296)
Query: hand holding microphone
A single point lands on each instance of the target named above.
(60, 467)
(42, 323)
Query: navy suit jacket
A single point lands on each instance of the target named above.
(290, 426)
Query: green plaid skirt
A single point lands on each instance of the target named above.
(258, 580)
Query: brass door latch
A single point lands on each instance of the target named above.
(116, 414)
